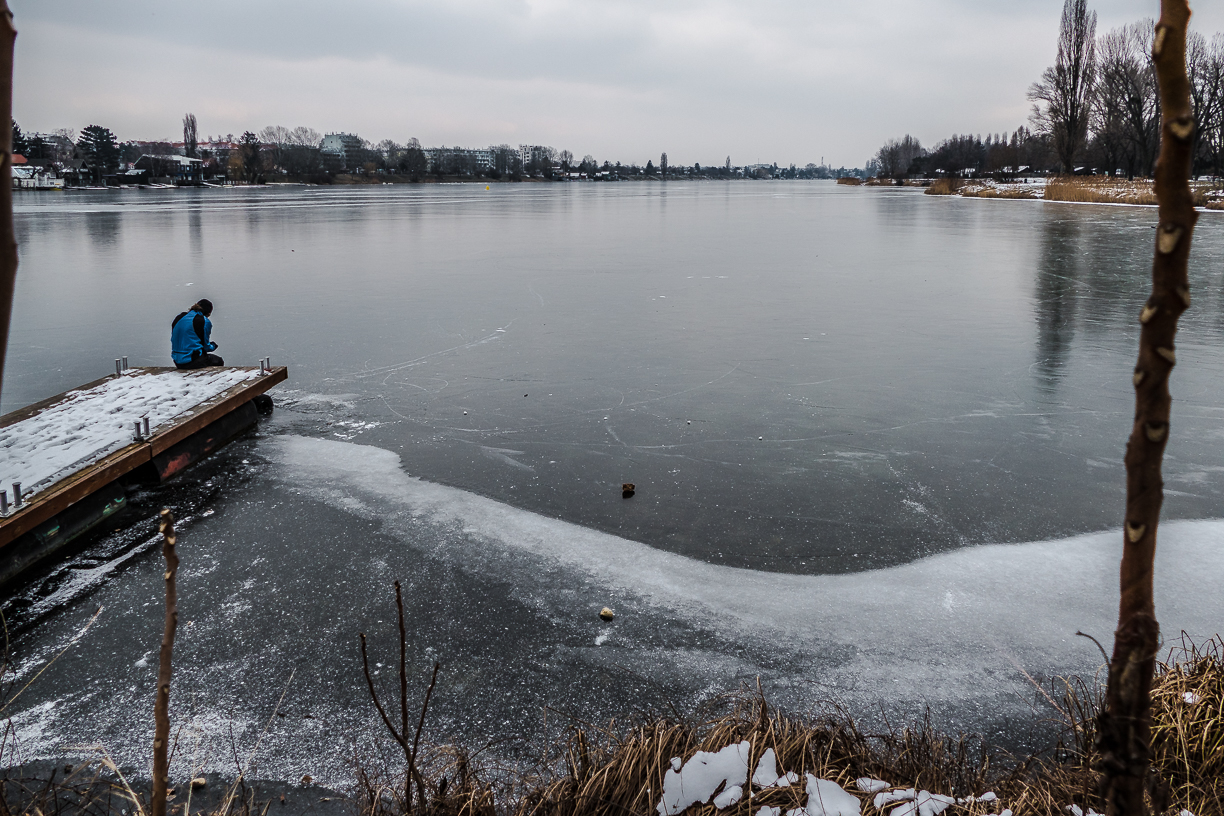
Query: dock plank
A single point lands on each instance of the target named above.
(58, 497)
(67, 492)
(211, 410)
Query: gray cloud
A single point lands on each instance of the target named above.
(782, 80)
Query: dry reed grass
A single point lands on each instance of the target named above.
(1188, 726)
(1113, 190)
(851, 180)
(943, 186)
(1100, 190)
(984, 188)
(616, 773)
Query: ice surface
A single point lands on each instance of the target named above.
(868, 785)
(968, 620)
(827, 798)
(702, 775)
(90, 424)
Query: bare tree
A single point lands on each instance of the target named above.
(305, 137)
(191, 137)
(1124, 727)
(1205, 65)
(276, 135)
(663, 165)
(161, 704)
(896, 156)
(1062, 98)
(1126, 105)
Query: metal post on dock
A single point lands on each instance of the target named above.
(3, 502)
(145, 420)
(118, 366)
(125, 365)
(138, 436)
(16, 494)
(262, 370)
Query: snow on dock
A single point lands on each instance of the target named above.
(88, 424)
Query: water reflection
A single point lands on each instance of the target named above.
(103, 229)
(1056, 299)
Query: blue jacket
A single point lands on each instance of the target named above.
(189, 338)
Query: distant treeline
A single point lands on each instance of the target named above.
(1096, 110)
(278, 153)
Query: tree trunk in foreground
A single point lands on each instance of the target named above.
(8, 242)
(161, 708)
(1124, 728)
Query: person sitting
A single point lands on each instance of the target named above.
(190, 338)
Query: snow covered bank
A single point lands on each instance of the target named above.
(953, 627)
(87, 425)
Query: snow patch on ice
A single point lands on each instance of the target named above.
(1011, 603)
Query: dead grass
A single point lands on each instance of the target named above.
(943, 186)
(1188, 726)
(617, 772)
(1010, 191)
(1100, 190)
(854, 181)
(1113, 190)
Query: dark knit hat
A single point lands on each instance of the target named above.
(205, 306)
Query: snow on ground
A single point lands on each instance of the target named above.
(827, 798)
(697, 780)
(88, 425)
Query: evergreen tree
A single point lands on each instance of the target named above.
(20, 146)
(249, 147)
(97, 146)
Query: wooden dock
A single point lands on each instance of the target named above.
(166, 451)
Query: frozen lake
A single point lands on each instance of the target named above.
(876, 438)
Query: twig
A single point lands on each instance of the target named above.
(51, 662)
(412, 774)
(1104, 654)
(242, 769)
(416, 740)
(1124, 727)
(161, 708)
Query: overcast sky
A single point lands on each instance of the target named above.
(760, 80)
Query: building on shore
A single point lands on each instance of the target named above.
(169, 169)
(349, 149)
(28, 177)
